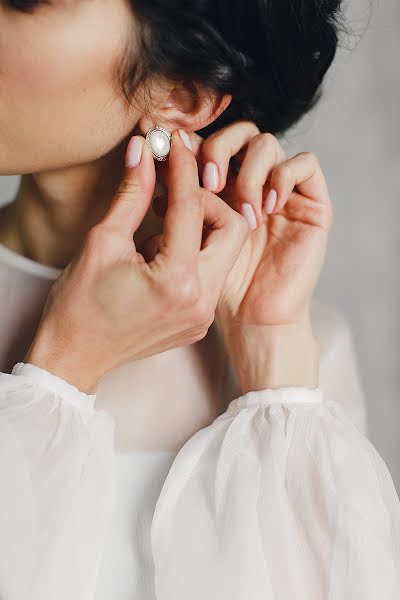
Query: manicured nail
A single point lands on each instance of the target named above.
(270, 201)
(185, 139)
(134, 151)
(210, 176)
(249, 214)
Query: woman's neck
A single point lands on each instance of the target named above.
(52, 211)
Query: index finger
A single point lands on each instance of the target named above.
(183, 224)
(220, 147)
(162, 167)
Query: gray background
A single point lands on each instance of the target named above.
(355, 131)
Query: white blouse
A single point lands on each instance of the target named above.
(170, 485)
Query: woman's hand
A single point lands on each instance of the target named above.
(109, 306)
(218, 171)
(264, 305)
(273, 279)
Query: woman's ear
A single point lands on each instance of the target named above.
(185, 106)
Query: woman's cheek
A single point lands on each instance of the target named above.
(57, 92)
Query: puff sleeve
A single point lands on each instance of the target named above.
(56, 486)
(281, 497)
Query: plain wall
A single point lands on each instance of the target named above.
(355, 131)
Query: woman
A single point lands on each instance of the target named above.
(125, 471)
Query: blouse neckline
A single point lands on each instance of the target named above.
(27, 265)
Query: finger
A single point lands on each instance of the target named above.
(218, 149)
(160, 205)
(222, 238)
(133, 197)
(184, 217)
(264, 152)
(228, 231)
(162, 167)
(304, 172)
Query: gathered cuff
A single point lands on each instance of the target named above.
(54, 383)
(283, 395)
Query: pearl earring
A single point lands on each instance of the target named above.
(159, 141)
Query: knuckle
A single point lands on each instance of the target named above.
(197, 336)
(203, 313)
(128, 187)
(220, 139)
(214, 141)
(251, 126)
(202, 334)
(99, 245)
(180, 288)
(309, 156)
(264, 141)
(284, 171)
(246, 187)
(188, 289)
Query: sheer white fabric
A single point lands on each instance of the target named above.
(56, 487)
(280, 498)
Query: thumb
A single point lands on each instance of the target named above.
(133, 197)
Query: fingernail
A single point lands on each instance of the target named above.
(210, 176)
(249, 214)
(134, 151)
(270, 201)
(185, 139)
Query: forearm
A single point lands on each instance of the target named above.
(274, 356)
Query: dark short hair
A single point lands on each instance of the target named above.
(271, 55)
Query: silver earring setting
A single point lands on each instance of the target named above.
(159, 142)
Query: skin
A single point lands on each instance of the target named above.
(117, 307)
(68, 142)
(56, 78)
(65, 125)
(264, 308)
(62, 124)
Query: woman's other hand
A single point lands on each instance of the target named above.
(109, 306)
(264, 305)
(273, 280)
(218, 172)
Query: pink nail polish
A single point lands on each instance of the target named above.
(185, 139)
(270, 201)
(248, 212)
(210, 176)
(134, 151)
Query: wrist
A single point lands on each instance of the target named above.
(48, 352)
(274, 356)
